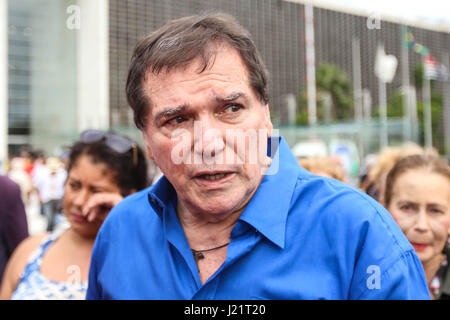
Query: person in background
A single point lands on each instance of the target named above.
(13, 220)
(18, 174)
(375, 181)
(38, 176)
(103, 168)
(417, 195)
(326, 167)
(51, 189)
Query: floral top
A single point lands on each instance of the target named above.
(35, 286)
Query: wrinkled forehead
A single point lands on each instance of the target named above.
(225, 70)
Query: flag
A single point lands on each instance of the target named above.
(443, 72)
(434, 70)
(431, 67)
(411, 43)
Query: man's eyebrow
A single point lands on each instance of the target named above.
(232, 97)
(171, 112)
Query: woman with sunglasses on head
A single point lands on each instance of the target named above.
(103, 168)
(417, 194)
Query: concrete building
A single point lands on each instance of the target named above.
(63, 64)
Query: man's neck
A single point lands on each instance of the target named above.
(204, 231)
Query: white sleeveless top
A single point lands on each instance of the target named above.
(34, 286)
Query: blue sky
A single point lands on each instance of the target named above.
(429, 11)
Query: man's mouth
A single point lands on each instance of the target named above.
(213, 177)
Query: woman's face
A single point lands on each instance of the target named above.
(420, 204)
(85, 179)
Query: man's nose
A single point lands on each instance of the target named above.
(208, 138)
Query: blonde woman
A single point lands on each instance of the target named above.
(417, 194)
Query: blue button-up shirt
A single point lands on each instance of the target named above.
(300, 237)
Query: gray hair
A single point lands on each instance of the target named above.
(178, 43)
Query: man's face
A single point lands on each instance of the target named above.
(193, 128)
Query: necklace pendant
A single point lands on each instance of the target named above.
(198, 255)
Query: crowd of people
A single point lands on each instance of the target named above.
(101, 169)
(413, 184)
(42, 178)
(260, 233)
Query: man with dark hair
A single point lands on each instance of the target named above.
(13, 220)
(234, 216)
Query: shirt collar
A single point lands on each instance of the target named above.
(160, 195)
(267, 210)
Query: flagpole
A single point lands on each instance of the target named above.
(414, 117)
(446, 107)
(310, 64)
(357, 92)
(407, 110)
(427, 112)
(383, 114)
(356, 62)
(385, 67)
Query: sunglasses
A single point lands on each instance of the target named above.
(116, 142)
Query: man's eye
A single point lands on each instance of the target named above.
(176, 120)
(232, 108)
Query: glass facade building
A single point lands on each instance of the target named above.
(42, 67)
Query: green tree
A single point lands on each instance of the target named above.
(437, 108)
(334, 82)
(395, 110)
(436, 120)
(418, 75)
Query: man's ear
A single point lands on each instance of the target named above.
(147, 145)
